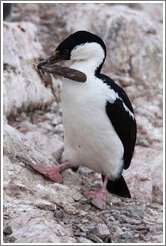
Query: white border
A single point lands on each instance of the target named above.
(157, 2)
(164, 108)
(83, 1)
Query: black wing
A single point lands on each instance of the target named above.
(123, 123)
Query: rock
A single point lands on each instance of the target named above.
(45, 205)
(82, 213)
(59, 215)
(94, 238)
(69, 209)
(109, 239)
(129, 58)
(16, 144)
(26, 126)
(126, 236)
(158, 238)
(118, 230)
(7, 230)
(83, 240)
(153, 10)
(23, 88)
(48, 233)
(85, 171)
(145, 173)
(101, 231)
(50, 145)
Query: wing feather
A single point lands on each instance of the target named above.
(122, 119)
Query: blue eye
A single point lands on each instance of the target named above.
(65, 51)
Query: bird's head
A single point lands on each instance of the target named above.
(79, 46)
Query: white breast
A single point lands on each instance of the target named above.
(90, 139)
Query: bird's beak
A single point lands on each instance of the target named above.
(54, 58)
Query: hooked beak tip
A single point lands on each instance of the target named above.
(50, 60)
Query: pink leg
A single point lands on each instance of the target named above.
(51, 172)
(97, 197)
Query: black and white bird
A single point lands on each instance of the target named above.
(98, 118)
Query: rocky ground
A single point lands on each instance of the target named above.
(37, 210)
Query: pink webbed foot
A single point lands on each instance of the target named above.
(49, 172)
(52, 173)
(96, 197)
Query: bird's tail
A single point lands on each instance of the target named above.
(118, 187)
